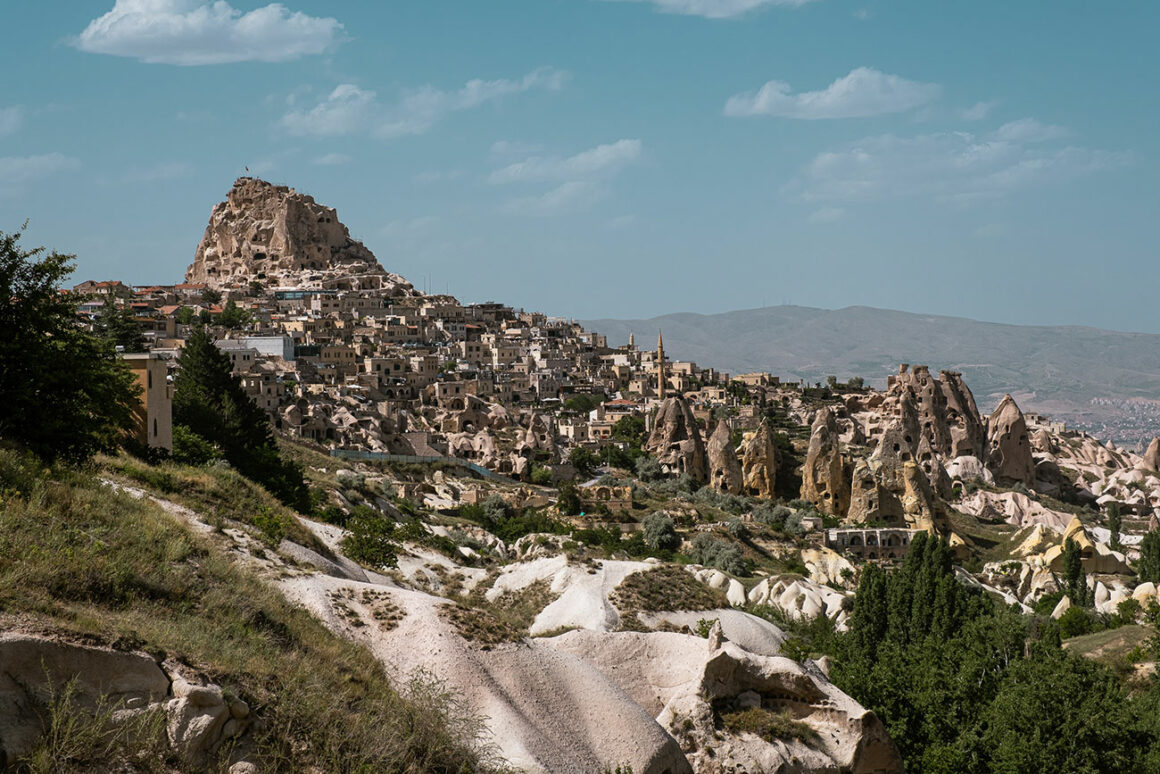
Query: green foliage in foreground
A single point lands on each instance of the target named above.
(65, 394)
(79, 558)
(964, 686)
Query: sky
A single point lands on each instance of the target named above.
(616, 158)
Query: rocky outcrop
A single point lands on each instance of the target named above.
(34, 668)
(281, 238)
(691, 683)
(675, 440)
(724, 467)
(871, 500)
(824, 479)
(759, 463)
(940, 410)
(1010, 445)
(1152, 456)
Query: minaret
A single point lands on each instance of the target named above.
(631, 342)
(660, 367)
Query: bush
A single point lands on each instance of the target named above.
(189, 448)
(772, 516)
(719, 554)
(648, 469)
(1076, 621)
(272, 525)
(371, 541)
(541, 476)
(737, 529)
(660, 533)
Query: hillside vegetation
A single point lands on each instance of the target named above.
(80, 560)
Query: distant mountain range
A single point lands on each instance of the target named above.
(1106, 382)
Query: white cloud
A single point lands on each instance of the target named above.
(346, 110)
(17, 171)
(567, 197)
(1027, 130)
(332, 160)
(351, 110)
(195, 32)
(580, 180)
(601, 160)
(716, 9)
(420, 110)
(11, 119)
(978, 111)
(955, 166)
(863, 92)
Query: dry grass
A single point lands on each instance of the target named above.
(768, 725)
(507, 619)
(669, 588)
(84, 561)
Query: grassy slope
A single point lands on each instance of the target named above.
(80, 559)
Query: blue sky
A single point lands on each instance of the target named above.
(626, 158)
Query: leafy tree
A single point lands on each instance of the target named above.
(232, 316)
(65, 393)
(1074, 577)
(371, 540)
(1148, 569)
(209, 402)
(660, 532)
(210, 296)
(583, 403)
(629, 429)
(569, 500)
(117, 326)
(1115, 522)
(185, 315)
(584, 461)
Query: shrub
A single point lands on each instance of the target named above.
(772, 516)
(271, 524)
(719, 554)
(648, 469)
(371, 540)
(660, 533)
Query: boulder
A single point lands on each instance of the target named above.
(1151, 459)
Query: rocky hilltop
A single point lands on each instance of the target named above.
(281, 238)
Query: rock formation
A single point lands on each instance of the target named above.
(1010, 453)
(280, 238)
(824, 479)
(1152, 456)
(724, 467)
(942, 411)
(675, 440)
(759, 463)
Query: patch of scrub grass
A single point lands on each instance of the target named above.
(668, 588)
(768, 725)
(507, 619)
(217, 492)
(81, 560)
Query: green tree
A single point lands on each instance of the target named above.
(117, 326)
(1148, 569)
(584, 461)
(232, 316)
(209, 402)
(185, 315)
(660, 533)
(65, 393)
(569, 499)
(1115, 522)
(1074, 577)
(210, 296)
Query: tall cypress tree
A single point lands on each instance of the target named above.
(1074, 578)
(209, 401)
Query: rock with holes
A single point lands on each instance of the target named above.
(676, 441)
(824, 478)
(1010, 445)
(724, 467)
